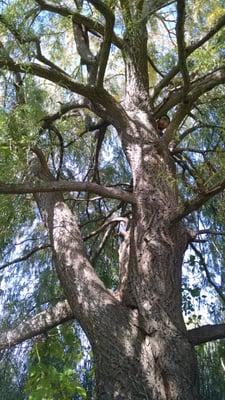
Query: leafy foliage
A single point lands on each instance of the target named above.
(51, 366)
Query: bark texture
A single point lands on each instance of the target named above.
(138, 335)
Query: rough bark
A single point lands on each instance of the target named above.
(139, 338)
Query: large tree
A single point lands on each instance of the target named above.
(121, 78)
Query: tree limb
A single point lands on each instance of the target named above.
(182, 54)
(62, 186)
(207, 232)
(91, 25)
(206, 333)
(37, 325)
(100, 97)
(108, 33)
(199, 201)
(194, 46)
(189, 50)
(25, 257)
(196, 89)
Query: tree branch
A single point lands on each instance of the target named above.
(91, 25)
(182, 54)
(189, 50)
(220, 24)
(207, 232)
(37, 325)
(25, 257)
(196, 89)
(203, 263)
(115, 220)
(206, 333)
(104, 103)
(64, 109)
(98, 250)
(199, 201)
(108, 33)
(55, 186)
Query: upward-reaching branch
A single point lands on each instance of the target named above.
(189, 50)
(108, 33)
(182, 53)
(86, 293)
(196, 89)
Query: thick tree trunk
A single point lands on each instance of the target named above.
(138, 336)
(131, 364)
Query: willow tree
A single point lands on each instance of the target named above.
(141, 347)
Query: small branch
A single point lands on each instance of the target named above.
(206, 333)
(192, 150)
(216, 28)
(151, 62)
(100, 137)
(208, 232)
(103, 226)
(106, 236)
(64, 109)
(203, 263)
(56, 186)
(151, 6)
(40, 57)
(25, 257)
(37, 325)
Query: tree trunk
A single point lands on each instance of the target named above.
(138, 335)
(131, 364)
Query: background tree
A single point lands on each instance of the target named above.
(83, 86)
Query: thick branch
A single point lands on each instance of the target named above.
(37, 325)
(206, 333)
(54, 186)
(100, 98)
